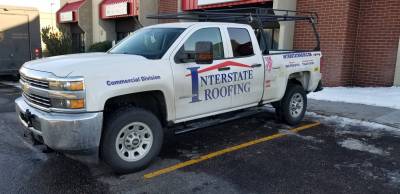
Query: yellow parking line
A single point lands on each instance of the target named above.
(224, 151)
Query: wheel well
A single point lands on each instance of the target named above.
(152, 101)
(301, 78)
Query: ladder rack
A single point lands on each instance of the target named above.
(256, 17)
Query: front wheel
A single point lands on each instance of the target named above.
(293, 105)
(131, 140)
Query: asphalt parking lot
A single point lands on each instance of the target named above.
(250, 155)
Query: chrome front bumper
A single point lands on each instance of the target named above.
(66, 132)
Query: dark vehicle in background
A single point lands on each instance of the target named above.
(19, 37)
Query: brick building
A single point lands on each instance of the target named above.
(359, 38)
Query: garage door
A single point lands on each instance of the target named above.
(14, 41)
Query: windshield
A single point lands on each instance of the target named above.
(150, 43)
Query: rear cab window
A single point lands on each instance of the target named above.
(242, 45)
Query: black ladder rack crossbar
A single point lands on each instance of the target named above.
(263, 14)
(256, 17)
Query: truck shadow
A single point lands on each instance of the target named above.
(202, 141)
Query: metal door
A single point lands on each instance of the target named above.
(14, 42)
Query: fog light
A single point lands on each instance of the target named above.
(68, 103)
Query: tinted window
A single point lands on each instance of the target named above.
(241, 42)
(151, 43)
(212, 35)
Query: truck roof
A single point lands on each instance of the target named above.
(189, 24)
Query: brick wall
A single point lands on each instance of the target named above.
(358, 40)
(338, 28)
(377, 42)
(168, 6)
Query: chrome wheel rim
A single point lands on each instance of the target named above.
(134, 141)
(296, 105)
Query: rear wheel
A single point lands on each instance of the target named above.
(131, 140)
(292, 107)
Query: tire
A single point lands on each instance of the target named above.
(295, 96)
(131, 140)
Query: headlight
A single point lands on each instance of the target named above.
(66, 85)
(68, 103)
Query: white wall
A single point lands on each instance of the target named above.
(397, 72)
(102, 29)
(286, 32)
(42, 5)
(147, 7)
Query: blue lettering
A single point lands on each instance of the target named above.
(223, 77)
(195, 84)
(215, 93)
(207, 93)
(223, 91)
(247, 87)
(240, 87)
(217, 79)
(204, 81)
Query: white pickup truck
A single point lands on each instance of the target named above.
(120, 104)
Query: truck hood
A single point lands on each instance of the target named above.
(82, 64)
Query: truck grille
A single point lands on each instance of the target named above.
(35, 82)
(38, 100)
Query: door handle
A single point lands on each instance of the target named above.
(256, 65)
(224, 69)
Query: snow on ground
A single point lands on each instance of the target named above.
(376, 96)
(355, 144)
(363, 127)
(357, 128)
(394, 178)
(307, 138)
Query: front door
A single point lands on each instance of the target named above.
(201, 88)
(78, 39)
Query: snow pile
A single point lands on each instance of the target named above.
(355, 127)
(307, 138)
(342, 124)
(354, 144)
(376, 96)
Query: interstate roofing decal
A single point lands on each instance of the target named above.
(220, 85)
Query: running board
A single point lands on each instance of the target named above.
(203, 123)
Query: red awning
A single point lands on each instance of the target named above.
(69, 12)
(194, 4)
(119, 8)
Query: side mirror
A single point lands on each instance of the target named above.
(204, 52)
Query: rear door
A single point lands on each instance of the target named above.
(274, 78)
(14, 41)
(248, 67)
